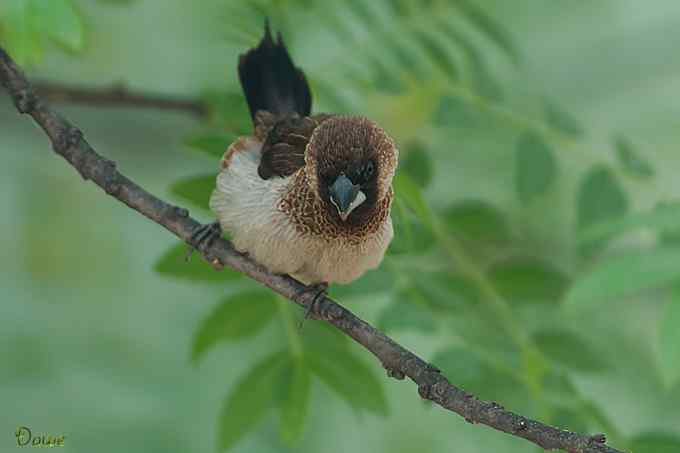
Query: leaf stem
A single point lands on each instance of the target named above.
(534, 361)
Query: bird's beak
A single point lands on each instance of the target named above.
(345, 196)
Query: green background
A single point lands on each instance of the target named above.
(97, 345)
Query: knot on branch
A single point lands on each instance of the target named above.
(598, 438)
(494, 406)
(67, 138)
(181, 212)
(433, 368)
(25, 100)
(394, 373)
(118, 89)
(521, 425)
(216, 263)
(424, 390)
(111, 180)
(434, 391)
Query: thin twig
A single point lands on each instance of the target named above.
(116, 95)
(399, 362)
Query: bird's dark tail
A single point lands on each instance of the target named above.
(271, 81)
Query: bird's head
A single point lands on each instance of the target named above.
(350, 163)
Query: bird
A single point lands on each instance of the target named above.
(307, 195)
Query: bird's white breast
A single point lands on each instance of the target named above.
(247, 207)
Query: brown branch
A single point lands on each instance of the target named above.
(116, 95)
(68, 142)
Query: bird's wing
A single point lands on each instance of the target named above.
(285, 142)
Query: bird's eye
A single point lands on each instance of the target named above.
(368, 170)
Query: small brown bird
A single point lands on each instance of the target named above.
(305, 195)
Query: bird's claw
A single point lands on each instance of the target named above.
(319, 290)
(203, 237)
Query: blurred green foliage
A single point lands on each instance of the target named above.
(29, 25)
(495, 293)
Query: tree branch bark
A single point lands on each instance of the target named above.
(68, 142)
(116, 95)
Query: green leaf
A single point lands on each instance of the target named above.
(473, 373)
(361, 11)
(21, 32)
(561, 120)
(413, 307)
(60, 22)
(482, 80)
(446, 290)
(631, 160)
(383, 80)
(295, 404)
(410, 194)
(656, 443)
(417, 163)
(670, 232)
(331, 96)
(559, 390)
(213, 143)
(349, 378)
(670, 237)
(406, 60)
(196, 190)
(461, 366)
(374, 281)
(398, 7)
(535, 167)
(528, 280)
(27, 25)
(477, 221)
(433, 48)
(408, 311)
(567, 350)
(173, 264)
(236, 317)
(228, 110)
(600, 421)
(665, 217)
(249, 400)
(410, 235)
(456, 112)
(670, 338)
(600, 198)
(625, 275)
(482, 328)
(323, 337)
(569, 419)
(487, 25)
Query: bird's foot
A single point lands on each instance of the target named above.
(319, 290)
(203, 237)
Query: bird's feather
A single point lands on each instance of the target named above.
(270, 80)
(285, 143)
